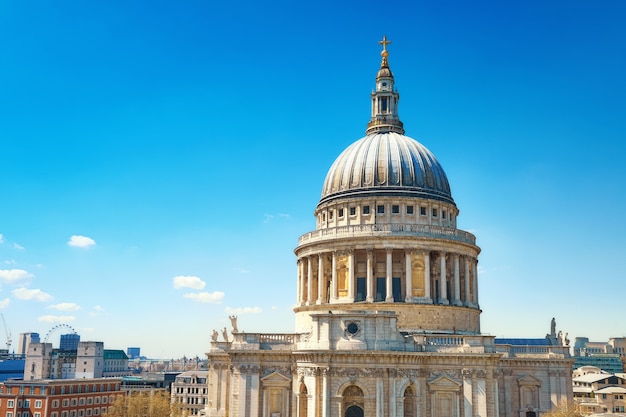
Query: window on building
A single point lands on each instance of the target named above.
(9, 414)
(352, 211)
(55, 403)
(395, 209)
(434, 212)
(340, 213)
(330, 215)
(409, 209)
(37, 403)
(380, 209)
(26, 403)
(366, 209)
(443, 214)
(66, 403)
(89, 400)
(74, 402)
(81, 401)
(423, 211)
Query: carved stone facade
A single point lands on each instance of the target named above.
(387, 311)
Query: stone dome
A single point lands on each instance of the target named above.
(386, 164)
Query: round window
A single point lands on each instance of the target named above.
(353, 328)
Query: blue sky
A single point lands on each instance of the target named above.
(145, 141)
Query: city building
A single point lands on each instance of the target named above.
(133, 352)
(89, 360)
(597, 391)
(189, 390)
(609, 356)
(69, 341)
(387, 315)
(24, 341)
(149, 381)
(58, 398)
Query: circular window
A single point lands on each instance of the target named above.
(352, 328)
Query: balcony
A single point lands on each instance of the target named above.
(393, 229)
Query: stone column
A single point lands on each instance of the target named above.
(300, 287)
(422, 393)
(380, 397)
(476, 282)
(309, 283)
(468, 300)
(254, 390)
(333, 284)
(490, 393)
(351, 283)
(427, 276)
(554, 389)
(389, 278)
(325, 394)
(320, 278)
(468, 395)
(443, 285)
(457, 281)
(408, 277)
(370, 276)
(243, 385)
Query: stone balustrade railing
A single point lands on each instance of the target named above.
(401, 229)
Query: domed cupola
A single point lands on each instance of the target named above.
(386, 162)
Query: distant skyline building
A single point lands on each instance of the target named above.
(69, 341)
(133, 352)
(25, 340)
(387, 314)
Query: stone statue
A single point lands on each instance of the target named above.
(225, 334)
(553, 327)
(566, 339)
(214, 336)
(233, 323)
(560, 338)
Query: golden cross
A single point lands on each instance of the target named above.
(384, 42)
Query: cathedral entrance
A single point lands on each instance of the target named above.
(353, 401)
(354, 411)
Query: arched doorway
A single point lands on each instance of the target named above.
(354, 411)
(353, 401)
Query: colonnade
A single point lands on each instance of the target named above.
(388, 275)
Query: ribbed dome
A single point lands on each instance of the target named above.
(386, 164)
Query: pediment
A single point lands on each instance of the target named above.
(444, 383)
(528, 380)
(275, 379)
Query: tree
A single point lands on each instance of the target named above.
(565, 409)
(144, 404)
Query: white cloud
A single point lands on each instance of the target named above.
(10, 262)
(192, 282)
(11, 276)
(244, 310)
(65, 307)
(28, 294)
(79, 241)
(56, 319)
(5, 303)
(97, 311)
(18, 247)
(1, 238)
(206, 297)
(270, 217)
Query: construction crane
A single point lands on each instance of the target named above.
(7, 332)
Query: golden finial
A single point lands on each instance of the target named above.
(384, 52)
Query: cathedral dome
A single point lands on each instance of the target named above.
(386, 164)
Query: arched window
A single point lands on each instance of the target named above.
(409, 402)
(303, 401)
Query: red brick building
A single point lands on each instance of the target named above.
(58, 397)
